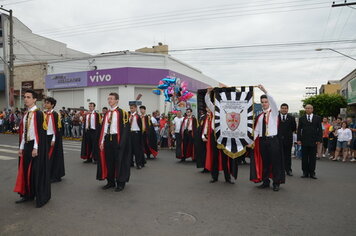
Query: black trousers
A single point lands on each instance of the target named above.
(309, 159)
(146, 148)
(29, 174)
(287, 153)
(93, 144)
(137, 148)
(112, 157)
(178, 145)
(215, 167)
(188, 143)
(270, 152)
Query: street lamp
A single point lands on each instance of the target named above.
(321, 49)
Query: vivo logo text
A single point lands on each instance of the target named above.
(99, 78)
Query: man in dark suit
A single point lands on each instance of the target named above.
(310, 134)
(286, 128)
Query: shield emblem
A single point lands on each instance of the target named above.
(233, 120)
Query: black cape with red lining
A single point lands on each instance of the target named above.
(256, 162)
(40, 165)
(150, 138)
(213, 152)
(199, 144)
(56, 152)
(189, 149)
(123, 165)
(84, 152)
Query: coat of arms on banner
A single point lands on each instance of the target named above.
(234, 119)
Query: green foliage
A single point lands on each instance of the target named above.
(326, 104)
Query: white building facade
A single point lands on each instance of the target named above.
(75, 83)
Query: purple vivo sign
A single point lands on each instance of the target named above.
(118, 76)
(133, 75)
(68, 80)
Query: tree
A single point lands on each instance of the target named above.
(326, 104)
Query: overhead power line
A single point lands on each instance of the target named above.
(184, 17)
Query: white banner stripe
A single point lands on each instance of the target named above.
(233, 96)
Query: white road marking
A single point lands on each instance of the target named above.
(8, 151)
(6, 158)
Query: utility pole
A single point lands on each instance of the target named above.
(343, 4)
(11, 99)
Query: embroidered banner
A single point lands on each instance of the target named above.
(234, 119)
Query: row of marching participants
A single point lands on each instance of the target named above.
(117, 141)
(270, 153)
(114, 142)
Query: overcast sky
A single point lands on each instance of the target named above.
(115, 25)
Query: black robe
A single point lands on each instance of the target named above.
(38, 184)
(149, 137)
(188, 139)
(56, 152)
(123, 163)
(199, 144)
(85, 153)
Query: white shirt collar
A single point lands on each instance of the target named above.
(33, 108)
(113, 108)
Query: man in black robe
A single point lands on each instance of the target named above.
(115, 151)
(33, 178)
(188, 131)
(136, 138)
(148, 134)
(199, 144)
(91, 134)
(54, 140)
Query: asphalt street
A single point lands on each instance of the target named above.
(171, 198)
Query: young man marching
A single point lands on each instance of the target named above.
(91, 134)
(33, 178)
(54, 140)
(114, 163)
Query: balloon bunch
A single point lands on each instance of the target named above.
(173, 90)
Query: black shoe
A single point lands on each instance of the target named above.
(313, 177)
(56, 180)
(276, 187)
(182, 160)
(119, 189)
(304, 176)
(213, 180)
(88, 160)
(23, 199)
(229, 181)
(289, 173)
(264, 185)
(108, 186)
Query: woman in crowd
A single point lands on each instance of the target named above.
(344, 136)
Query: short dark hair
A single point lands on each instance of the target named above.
(34, 94)
(92, 103)
(344, 122)
(115, 95)
(105, 108)
(263, 96)
(189, 109)
(284, 105)
(133, 105)
(143, 107)
(51, 100)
